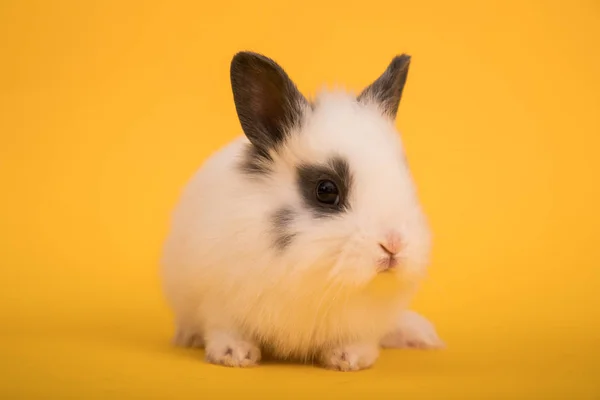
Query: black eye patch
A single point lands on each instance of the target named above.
(325, 187)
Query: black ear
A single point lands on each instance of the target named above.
(386, 91)
(267, 102)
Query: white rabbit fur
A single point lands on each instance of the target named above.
(315, 295)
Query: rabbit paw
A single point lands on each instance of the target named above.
(350, 358)
(232, 352)
(413, 331)
(187, 338)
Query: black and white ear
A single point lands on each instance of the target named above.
(386, 91)
(267, 102)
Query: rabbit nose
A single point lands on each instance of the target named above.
(392, 244)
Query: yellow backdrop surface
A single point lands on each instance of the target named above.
(107, 108)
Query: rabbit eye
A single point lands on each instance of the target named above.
(325, 188)
(327, 192)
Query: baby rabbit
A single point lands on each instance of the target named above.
(303, 238)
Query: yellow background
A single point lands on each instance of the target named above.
(106, 109)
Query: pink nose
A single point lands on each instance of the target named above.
(392, 243)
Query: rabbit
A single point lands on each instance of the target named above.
(303, 238)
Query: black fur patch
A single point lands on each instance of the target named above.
(308, 177)
(281, 221)
(255, 162)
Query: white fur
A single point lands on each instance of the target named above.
(221, 271)
(412, 330)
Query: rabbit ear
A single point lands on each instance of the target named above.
(386, 91)
(266, 100)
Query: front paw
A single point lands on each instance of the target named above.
(232, 352)
(413, 331)
(350, 358)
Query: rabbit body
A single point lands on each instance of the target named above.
(302, 238)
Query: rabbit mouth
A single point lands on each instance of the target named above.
(387, 264)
